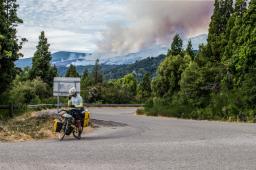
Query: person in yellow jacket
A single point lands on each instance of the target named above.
(75, 101)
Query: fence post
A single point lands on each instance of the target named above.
(11, 110)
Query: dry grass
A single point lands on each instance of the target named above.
(26, 127)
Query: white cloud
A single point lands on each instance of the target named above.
(59, 40)
(72, 25)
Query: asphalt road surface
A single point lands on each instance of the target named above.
(145, 143)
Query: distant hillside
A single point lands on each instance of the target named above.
(80, 69)
(65, 58)
(24, 62)
(148, 65)
(61, 58)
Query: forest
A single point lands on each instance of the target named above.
(219, 82)
(215, 83)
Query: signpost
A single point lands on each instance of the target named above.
(62, 85)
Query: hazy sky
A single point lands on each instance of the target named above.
(110, 26)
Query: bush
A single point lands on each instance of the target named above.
(112, 94)
(18, 109)
(94, 94)
(163, 107)
(140, 111)
(29, 91)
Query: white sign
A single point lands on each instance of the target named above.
(62, 85)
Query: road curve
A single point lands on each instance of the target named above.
(146, 143)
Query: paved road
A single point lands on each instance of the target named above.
(146, 143)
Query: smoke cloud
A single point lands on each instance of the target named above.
(155, 22)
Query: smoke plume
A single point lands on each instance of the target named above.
(155, 22)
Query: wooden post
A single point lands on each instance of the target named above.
(58, 107)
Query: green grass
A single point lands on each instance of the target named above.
(188, 112)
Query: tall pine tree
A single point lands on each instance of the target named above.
(245, 53)
(85, 80)
(9, 45)
(71, 72)
(97, 75)
(189, 50)
(222, 12)
(176, 46)
(85, 74)
(232, 32)
(41, 63)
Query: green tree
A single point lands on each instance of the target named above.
(222, 12)
(166, 83)
(231, 35)
(86, 79)
(190, 84)
(197, 83)
(232, 32)
(97, 75)
(25, 74)
(9, 45)
(127, 84)
(144, 89)
(54, 71)
(249, 89)
(240, 6)
(189, 50)
(41, 62)
(242, 49)
(85, 74)
(71, 72)
(176, 46)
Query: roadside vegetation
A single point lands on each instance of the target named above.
(219, 82)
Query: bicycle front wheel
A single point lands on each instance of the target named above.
(62, 132)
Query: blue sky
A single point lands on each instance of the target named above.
(109, 26)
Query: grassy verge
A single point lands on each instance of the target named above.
(186, 112)
(26, 127)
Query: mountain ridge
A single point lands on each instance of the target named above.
(65, 58)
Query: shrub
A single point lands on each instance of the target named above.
(29, 91)
(163, 107)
